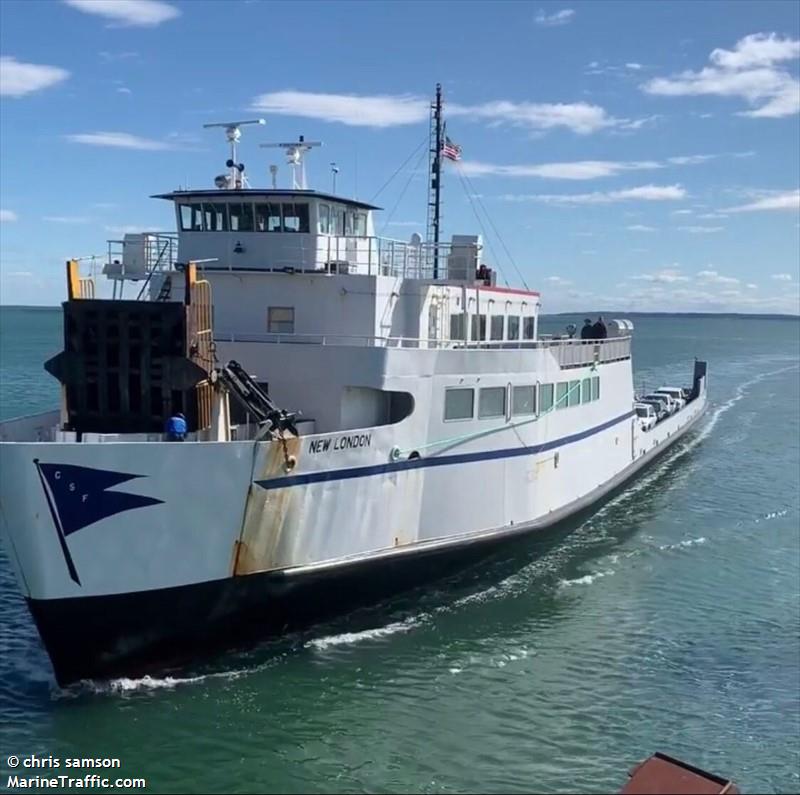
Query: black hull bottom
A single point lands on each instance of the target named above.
(131, 634)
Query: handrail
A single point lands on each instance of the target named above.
(620, 344)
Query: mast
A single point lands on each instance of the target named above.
(434, 199)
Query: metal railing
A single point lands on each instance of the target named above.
(568, 352)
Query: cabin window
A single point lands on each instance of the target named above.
(562, 387)
(268, 218)
(458, 404)
(574, 393)
(295, 217)
(586, 390)
(523, 400)
(596, 387)
(324, 221)
(457, 326)
(360, 224)
(513, 327)
(215, 217)
(478, 328)
(492, 402)
(338, 217)
(191, 217)
(496, 329)
(527, 328)
(545, 398)
(350, 222)
(241, 216)
(280, 320)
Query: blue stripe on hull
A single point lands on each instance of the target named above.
(435, 461)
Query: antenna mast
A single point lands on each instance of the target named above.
(234, 134)
(295, 154)
(434, 191)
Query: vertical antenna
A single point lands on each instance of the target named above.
(434, 199)
(273, 170)
(334, 172)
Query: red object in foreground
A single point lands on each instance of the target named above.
(663, 775)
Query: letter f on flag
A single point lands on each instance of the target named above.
(77, 496)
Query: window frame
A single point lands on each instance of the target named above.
(214, 208)
(243, 207)
(323, 211)
(528, 325)
(450, 389)
(596, 387)
(513, 322)
(270, 320)
(586, 389)
(483, 390)
(520, 387)
(540, 403)
(560, 401)
(493, 337)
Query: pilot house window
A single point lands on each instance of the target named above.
(324, 223)
(241, 216)
(280, 320)
(191, 218)
(295, 217)
(216, 217)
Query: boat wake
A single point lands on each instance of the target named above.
(348, 638)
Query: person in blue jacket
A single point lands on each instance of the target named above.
(176, 428)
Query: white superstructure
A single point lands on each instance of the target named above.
(432, 421)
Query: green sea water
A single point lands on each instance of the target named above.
(666, 619)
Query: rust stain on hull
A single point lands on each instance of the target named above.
(267, 513)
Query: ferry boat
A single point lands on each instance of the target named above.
(361, 416)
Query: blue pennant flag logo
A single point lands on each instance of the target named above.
(78, 496)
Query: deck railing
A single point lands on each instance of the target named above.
(568, 352)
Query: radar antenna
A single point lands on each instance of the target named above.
(237, 179)
(295, 153)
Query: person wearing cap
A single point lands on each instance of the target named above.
(587, 332)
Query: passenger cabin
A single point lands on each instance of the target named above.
(302, 265)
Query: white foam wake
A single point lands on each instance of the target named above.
(348, 638)
(587, 579)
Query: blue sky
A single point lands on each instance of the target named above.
(631, 156)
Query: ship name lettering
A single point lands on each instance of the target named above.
(342, 443)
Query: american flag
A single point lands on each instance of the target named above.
(450, 150)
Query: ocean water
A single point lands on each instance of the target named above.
(666, 619)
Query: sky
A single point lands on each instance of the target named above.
(615, 155)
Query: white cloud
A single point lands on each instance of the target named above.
(18, 79)
(643, 193)
(634, 66)
(580, 117)
(751, 286)
(351, 109)
(7, 216)
(553, 20)
(128, 13)
(124, 90)
(749, 71)
(641, 228)
(701, 230)
(690, 160)
(664, 276)
(782, 277)
(557, 281)
(393, 111)
(119, 140)
(404, 223)
(790, 200)
(580, 169)
(123, 55)
(127, 229)
(66, 219)
(713, 277)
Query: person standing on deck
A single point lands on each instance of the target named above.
(587, 332)
(599, 328)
